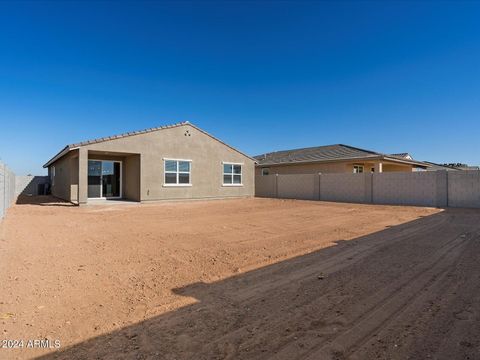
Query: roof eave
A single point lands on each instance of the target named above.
(373, 157)
(60, 154)
(406, 161)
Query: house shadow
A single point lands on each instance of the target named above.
(41, 200)
(252, 315)
(35, 190)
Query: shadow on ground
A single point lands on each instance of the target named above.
(390, 294)
(42, 200)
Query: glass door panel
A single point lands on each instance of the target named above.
(94, 179)
(110, 179)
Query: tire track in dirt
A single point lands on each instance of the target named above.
(276, 278)
(422, 310)
(437, 281)
(392, 301)
(333, 262)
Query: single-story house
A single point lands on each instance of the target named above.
(178, 161)
(337, 158)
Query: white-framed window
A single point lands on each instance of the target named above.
(177, 172)
(357, 169)
(265, 171)
(232, 174)
(52, 175)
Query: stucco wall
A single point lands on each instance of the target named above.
(396, 168)
(131, 174)
(74, 178)
(306, 169)
(331, 168)
(61, 185)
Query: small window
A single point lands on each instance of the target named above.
(177, 172)
(357, 169)
(232, 174)
(265, 171)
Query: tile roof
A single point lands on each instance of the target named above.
(318, 153)
(324, 153)
(436, 167)
(70, 147)
(131, 133)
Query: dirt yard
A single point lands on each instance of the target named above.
(240, 279)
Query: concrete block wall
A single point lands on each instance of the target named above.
(266, 186)
(464, 189)
(343, 188)
(7, 189)
(402, 188)
(298, 186)
(29, 184)
(436, 188)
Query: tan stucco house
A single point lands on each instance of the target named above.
(178, 161)
(337, 158)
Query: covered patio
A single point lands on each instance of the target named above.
(101, 176)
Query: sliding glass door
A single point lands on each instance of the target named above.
(104, 179)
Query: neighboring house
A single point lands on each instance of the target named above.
(178, 161)
(332, 159)
(407, 156)
(437, 167)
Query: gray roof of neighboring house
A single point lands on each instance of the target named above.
(436, 167)
(329, 153)
(403, 156)
(70, 147)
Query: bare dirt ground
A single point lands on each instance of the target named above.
(240, 279)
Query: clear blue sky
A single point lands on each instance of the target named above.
(262, 76)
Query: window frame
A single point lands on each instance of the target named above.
(177, 172)
(232, 173)
(358, 167)
(267, 169)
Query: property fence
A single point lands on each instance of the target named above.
(30, 185)
(12, 186)
(429, 188)
(7, 189)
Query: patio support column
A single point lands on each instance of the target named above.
(378, 167)
(82, 175)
